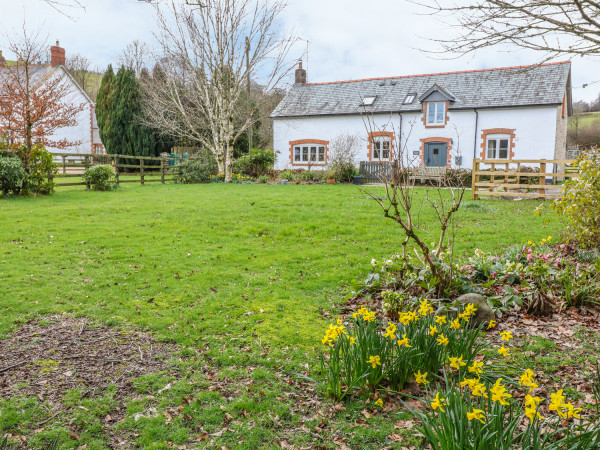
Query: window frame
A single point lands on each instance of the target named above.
(309, 152)
(412, 96)
(437, 114)
(497, 138)
(377, 147)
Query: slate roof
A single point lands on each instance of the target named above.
(488, 88)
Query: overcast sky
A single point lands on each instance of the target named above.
(347, 39)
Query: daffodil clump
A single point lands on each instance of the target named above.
(364, 352)
(479, 410)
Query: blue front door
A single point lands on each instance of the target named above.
(436, 154)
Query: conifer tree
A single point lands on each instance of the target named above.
(102, 107)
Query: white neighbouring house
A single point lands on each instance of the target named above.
(438, 120)
(85, 132)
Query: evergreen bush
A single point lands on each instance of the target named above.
(12, 175)
(99, 178)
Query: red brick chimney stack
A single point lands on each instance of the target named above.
(300, 74)
(57, 55)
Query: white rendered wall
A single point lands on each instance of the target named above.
(80, 133)
(535, 132)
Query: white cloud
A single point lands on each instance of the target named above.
(349, 39)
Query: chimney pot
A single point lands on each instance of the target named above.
(300, 74)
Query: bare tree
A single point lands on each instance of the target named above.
(553, 27)
(135, 57)
(64, 5)
(203, 71)
(402, 203)
(80, 68)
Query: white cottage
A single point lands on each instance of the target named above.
(438, 120)
(85, 132)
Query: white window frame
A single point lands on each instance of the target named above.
(439, 113)
(369, 100)
(310, 154)
(409, 99)
(497, 140)
(378, 148)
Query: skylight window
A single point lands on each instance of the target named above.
(368, 101)
(409, 99)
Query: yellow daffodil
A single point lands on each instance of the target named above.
(479, 390)
(532, 402)
(390, 331)
(568, 412)
(499, 393)
(556, 400)
(352, 340)
(404, 341)
(457, 363)
(441, 320)
(477, 414)
(339, 321)
(503, 351)
(470, 382)
(476, 368)
(433, 330)
(374, 361)
(527, 380)
(439, 402)
(532, 413)
(421, 378)
(425, 308)
(455, 324)
(379, 402)
(506, 336)
(442, 340)
(491, 325)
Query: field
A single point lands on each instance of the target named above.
(240, 279)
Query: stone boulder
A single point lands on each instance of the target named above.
(484, 313)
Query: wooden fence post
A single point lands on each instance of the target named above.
(492, 177)
(64, 160)
(162, 170)
(117, 169)
(142, 171)
(87, 162)
(474, 180)
(542, 191)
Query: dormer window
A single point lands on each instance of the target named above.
(368, 101)
(409, 99)
(436, 113)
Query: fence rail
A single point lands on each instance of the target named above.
(72, 165)
(511, 180)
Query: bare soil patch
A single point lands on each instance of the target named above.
(47, 357)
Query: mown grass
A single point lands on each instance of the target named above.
(240, 276)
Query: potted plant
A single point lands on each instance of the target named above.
(331, 176)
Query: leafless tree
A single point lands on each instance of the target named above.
(553, 27)
(135, 57)
(343, 150)
(80, 68)
(204, 71)
(402, 203)
(62, 6)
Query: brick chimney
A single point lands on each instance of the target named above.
(57, 55)
(300, 74)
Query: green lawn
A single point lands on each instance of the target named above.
(188, 263)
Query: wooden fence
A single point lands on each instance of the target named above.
(507, 181)
(148, 169)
